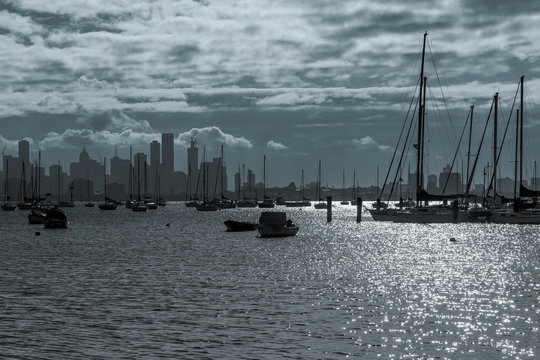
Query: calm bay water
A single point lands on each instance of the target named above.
(123, 285)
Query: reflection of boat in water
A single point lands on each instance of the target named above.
(55, 219)
(240, 226)
(275, 224)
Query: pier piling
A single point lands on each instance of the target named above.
(358, 209)
(329, 209)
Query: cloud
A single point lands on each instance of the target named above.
(212, 135)
(367, 142)
(114, 120)
(73, 138)
(275, 145)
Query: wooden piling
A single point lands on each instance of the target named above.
(358, 209)
(329, 209)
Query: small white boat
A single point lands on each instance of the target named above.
(275, 224)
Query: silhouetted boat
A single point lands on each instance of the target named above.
(303, 200)
(108, 204)
(55, 219)
(37, 216)
(267, 202)
(275, 224)
(139, 206)
(344, 202)
(7, 205)
(205, 205)
(240, 226)
(320, 204)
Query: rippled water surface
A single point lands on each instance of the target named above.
(123, 285)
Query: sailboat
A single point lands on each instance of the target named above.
(88, 203)
(130, 202)
(7, 205)
(344, 202)
(246, 202)
(108, 204)
(139, 205)
(354, 200)
(318, 195)
(152, 203)
(303, 200)
(522, 212)
(23, 203)
(205, 205)
(267, 202)
(420, 213)
(224, 202)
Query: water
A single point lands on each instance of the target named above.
(123, 285)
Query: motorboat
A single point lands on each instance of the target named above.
(275, 224)
(37, 216)
(55, 219)
(233, 225)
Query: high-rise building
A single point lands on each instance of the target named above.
(250, 184)
(193, 164)
(154, 154)
(167, 150)
(24, 153)
(139, 166)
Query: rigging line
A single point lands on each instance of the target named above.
(534, 110)
(457, 151)
(407, 140)
(405, 96)
(439, 120)
(439, 80)
(471, 176)
(502, 142)
(399, 140)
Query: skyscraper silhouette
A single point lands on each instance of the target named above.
(167, 150)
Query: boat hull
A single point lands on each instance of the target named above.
(276, 231)
(511, 217)
(233, 226)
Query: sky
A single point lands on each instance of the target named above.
(295, 80)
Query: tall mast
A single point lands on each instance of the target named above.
(495, 117)
(264, 178)
(521, 106)
(423, 136)
(105, 178)
(222, 165)
(516, 156)
(244, 180)
(59, 173)
(420, 121)
(470, 137)
(130, 174)
(39, 176)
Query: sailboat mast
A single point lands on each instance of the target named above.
(130, 174)
(420, 122)
(516, 156)
(222, 165)
(495, 117)
(469, 147)
(264, 177)
(521, 106)
(422, 150)
(105, 178)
